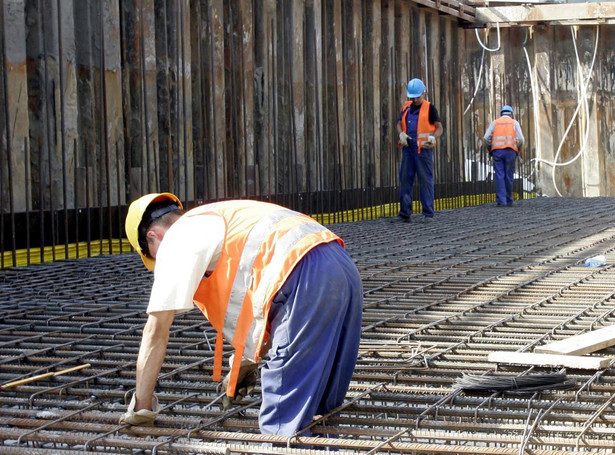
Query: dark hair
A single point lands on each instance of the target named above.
(154, 211)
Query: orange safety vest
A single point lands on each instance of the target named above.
(424, 129)
(504, 135)
(263, 244)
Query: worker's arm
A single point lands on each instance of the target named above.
(439, 130)
(488, 134)
(519, 134)
(151, 355)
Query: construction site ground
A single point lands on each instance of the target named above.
(439, 298)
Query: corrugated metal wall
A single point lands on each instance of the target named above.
(289, 101)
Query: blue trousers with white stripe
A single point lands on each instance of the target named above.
(315, 325)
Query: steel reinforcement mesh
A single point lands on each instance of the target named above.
(439, 297)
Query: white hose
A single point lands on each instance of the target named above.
(534, 106)
(485, 47)
(480, 75)
(582, 102)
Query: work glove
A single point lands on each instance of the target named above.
(246, 381)
(430, 143)
(142, 417)
(403, 139)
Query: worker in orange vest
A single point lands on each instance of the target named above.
(504, 139)
(273, 283)
(419, 127)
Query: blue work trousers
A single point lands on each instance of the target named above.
(504, 161)
(414, 164)
(315, 326)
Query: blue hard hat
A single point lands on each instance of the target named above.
(506, 108)
(415, 88)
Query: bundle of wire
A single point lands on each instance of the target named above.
(514, 384)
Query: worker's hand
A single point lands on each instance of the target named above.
(142, 417)
(430, 143)
(404, 139)
(248, 374)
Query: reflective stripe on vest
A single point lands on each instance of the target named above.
(263, 244)
(504, 135)
(424, 129)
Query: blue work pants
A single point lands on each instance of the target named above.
(315, 326)
(419, 165)
(504, 161)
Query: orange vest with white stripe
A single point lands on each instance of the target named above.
(504, 135)
(424, 129)
(263, 244)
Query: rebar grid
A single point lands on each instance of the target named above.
(438, 299)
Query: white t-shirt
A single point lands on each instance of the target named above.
(190, 247)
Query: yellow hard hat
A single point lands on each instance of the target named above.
(135, 215)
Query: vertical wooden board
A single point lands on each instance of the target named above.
(605, 78)
(113, 108)
(197, 44)
(390, 99)
(311, 129)
(150, 151)
(219, 150)
(272, 63)
(433, 82)
(87, 79)
(62, 110)
(16, 126)
(497, 73)
(351, 94)
(545, 141)
(246, 14)
(184, 104)
(421, 63)
(374, 44)
(565, 95)
(591, 153)
(357, 143)
(297, 73)
(338, 50)
(319, 83)
(447, 101)
(405, 47)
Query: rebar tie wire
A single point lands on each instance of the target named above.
(593, 418)
(48, 424)
(334, 411)
(418, 420)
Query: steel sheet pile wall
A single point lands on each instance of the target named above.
(438, 299)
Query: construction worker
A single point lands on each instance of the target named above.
(419, 127)
(504, 138)
(273, 282)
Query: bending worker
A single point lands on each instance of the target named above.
(273, 282)
(504, 138)
(419, 127)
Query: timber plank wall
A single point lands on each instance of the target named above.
(103, 101)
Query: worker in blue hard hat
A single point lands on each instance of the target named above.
(504, 139)
(418, 126)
